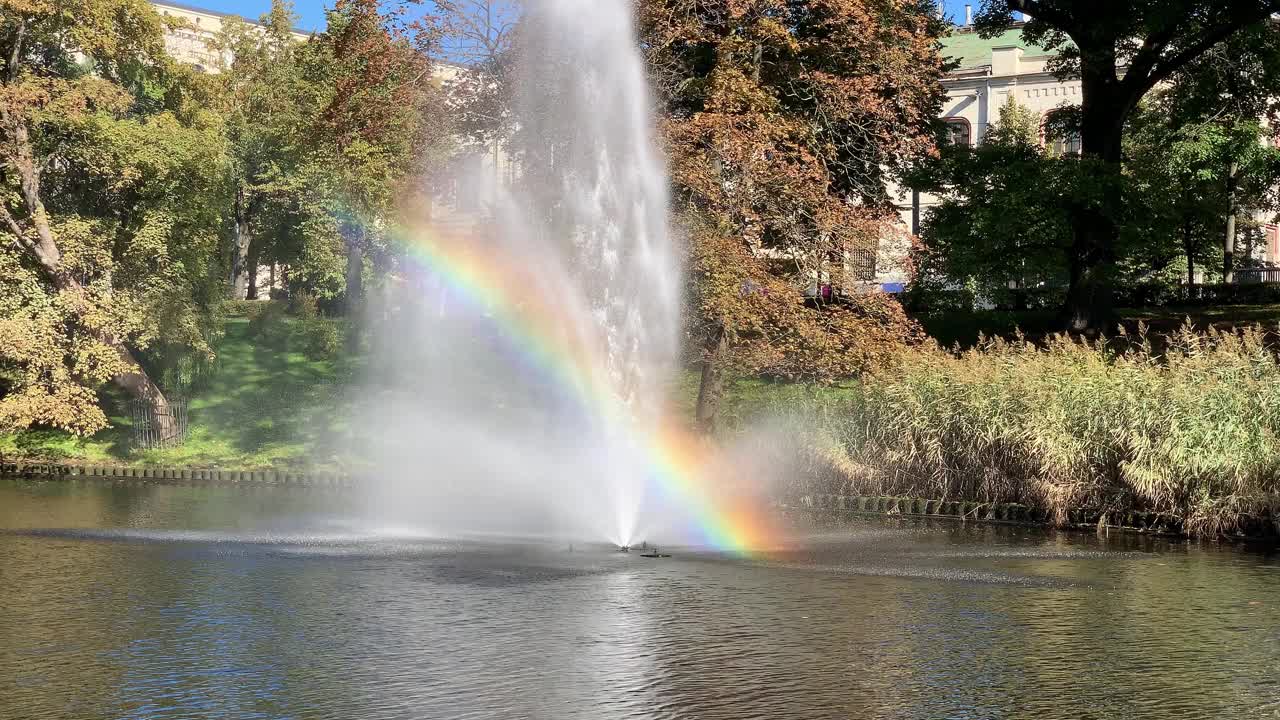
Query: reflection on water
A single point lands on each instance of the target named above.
(181, 602)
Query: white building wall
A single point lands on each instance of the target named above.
(975, 95)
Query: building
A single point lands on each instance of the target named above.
(190, 44)
(989, 72)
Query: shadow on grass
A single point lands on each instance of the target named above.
(266, 405)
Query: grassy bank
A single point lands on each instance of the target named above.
(269, 402)
(1192, 432)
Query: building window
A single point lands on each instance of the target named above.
(862, 265)
(958, 132)
(1062, 133)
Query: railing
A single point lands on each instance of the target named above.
(163, 429)
(1255, 276)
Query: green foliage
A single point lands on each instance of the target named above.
(270, 326)
(1120, 52)
(112, 178)
(303, 305)
(262, 407)
(295, 326)
(1003, 224)
(1191, 430)
(248, 309)
(320, 338)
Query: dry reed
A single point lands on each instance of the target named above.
(1191, 431)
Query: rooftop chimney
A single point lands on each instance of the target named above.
(968, 15)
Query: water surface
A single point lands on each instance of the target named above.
(142, 601)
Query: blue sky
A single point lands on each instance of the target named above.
(312, 11)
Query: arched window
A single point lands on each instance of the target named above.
(958, 132)
(1062, 132)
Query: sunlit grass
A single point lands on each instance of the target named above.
(264, 406)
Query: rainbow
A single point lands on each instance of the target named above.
(527, 328)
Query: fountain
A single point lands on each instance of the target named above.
(520, 372)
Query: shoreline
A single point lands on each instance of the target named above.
(1262, 531)
(64, 471)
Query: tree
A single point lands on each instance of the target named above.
(1176, 186)
(479, 37)
(378, 124)
(266, 122)
(1185, 177)
(1001, 226)
(104, 237)
(1120, 51)
(784, 122)
(1225, 95)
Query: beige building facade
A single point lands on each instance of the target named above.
(190, 44)
(990, 71)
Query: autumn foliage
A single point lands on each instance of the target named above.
(784, 121)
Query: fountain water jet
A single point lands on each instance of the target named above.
(517, 372)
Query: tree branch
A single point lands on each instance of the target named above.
(1150, 52)
(1211, 37)
(15, 53)
(14, 228)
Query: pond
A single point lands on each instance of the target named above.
(150, 601)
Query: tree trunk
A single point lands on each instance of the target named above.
(355, 287)
(1094, 230)
(252, 270)
(1188, 247)
(240, 248)
(711, 387)
(355, 274)
(1229, 242)
(43, 248)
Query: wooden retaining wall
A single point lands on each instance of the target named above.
(57, 471)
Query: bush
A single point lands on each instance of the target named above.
(244, 308)
(270, 325)
(1192, 432)
(303, 305)
(1162, 295)
(321, 338)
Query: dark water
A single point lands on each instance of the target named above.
(179, 602)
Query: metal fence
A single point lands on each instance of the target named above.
(158, 429)
(1251, 276)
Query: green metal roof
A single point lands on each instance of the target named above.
(972, 50)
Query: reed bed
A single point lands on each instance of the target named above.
(1191, 430)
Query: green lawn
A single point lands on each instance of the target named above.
(262, 407)
(271, 407)
(746, 398)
